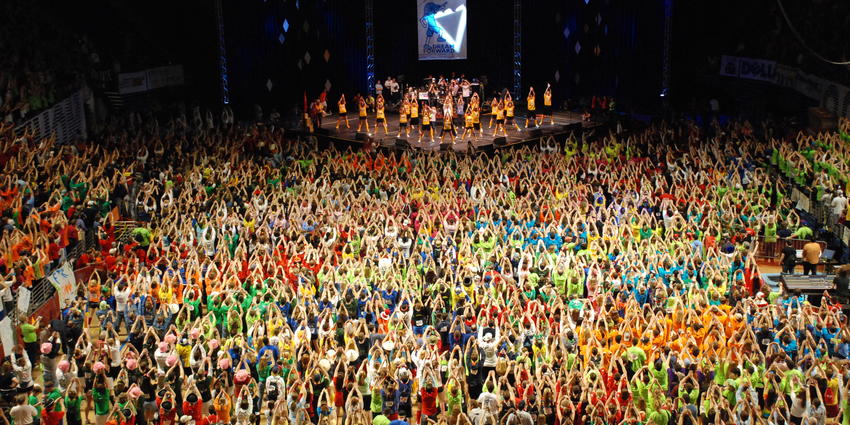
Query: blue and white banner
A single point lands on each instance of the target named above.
(442, 29)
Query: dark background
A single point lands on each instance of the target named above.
(130, 36)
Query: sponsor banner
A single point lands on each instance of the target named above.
(831, 96)
(150, 79)
(132, 82)
(729, 66)
(751, 69)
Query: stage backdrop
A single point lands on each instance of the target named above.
(442, 29)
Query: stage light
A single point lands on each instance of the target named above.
(663, 93)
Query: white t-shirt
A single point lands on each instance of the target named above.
(22, 414)
(838, 204)
(121, 298)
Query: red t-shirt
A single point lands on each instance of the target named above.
(192, 409)
(429, 401)
(51, 418)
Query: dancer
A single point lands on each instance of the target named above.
(402, 119)
(414, 113)
(494, 104)
(547, 105)
(426, 122)
(532, 113)
(380, 117)
(364, 119)
(468, 124)
(448, 115)
(343, 113)
(509, 112)
(500, 119)
(476, 115)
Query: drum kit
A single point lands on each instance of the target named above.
(434, 91)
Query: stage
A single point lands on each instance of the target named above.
(564, 124)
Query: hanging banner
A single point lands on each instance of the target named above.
(729, 66)
(831, 96)
(24, 296)
(442, 29)
(65, 283)
(751, 69)
(150, 79)
(7, 337)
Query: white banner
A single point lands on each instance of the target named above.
(24, 300)
(165, 76)
(831, 96)
(132, 82)
(7, 337)
(150, 79)
(757, 69)
(751, 69)
(65, 283)
(442, 29)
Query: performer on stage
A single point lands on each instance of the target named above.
(426, 122)
(547, 105)
(493, 105)
(499, 112)
(414, 113)
(380, 117)
(343, 113)
(402, 118)
(509, 112)
(448, 114)
(476, 115)
(468, 123)
(361, 106)
(532, 109)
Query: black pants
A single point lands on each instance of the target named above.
(788, 268)
(809, 267)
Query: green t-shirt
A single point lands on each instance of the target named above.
(28, 333)
(102, 401)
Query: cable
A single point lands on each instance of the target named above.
(800, 39)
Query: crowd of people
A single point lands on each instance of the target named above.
(609, 281)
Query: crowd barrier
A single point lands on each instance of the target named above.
(66, 119)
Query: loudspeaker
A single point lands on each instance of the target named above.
(534, 133)
(401, 143)
(500, 141)
(445, 147)
(361, 136)
(322, 132)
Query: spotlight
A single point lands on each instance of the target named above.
(663, 92)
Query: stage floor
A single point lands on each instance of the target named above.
(514, 137)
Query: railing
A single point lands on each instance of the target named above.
(66, 119)
(771, 250)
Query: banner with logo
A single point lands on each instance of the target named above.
(831, 96)
(442, 29)
(752, 69)
(150, 79)
(65, 283)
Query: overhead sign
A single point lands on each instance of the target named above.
(442, 29)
